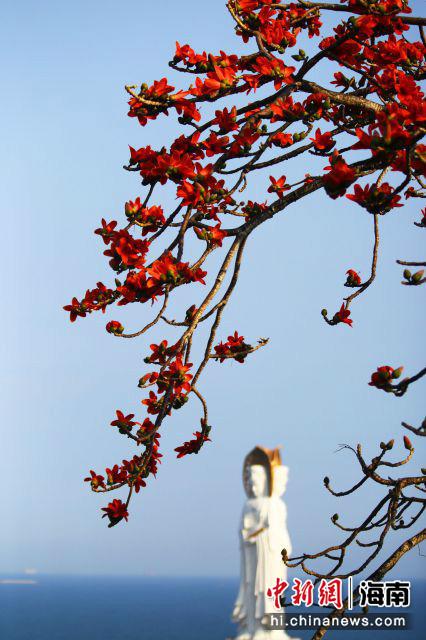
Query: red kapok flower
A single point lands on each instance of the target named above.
(153, 403)
(95, 480)
(213, 235)
(382, 378)
(323, 141)
(278, 186)
(116, 475)
(248, 5)
(282, 139)
(75, 309)
(343, 316)
(353, 279)
(422, 222)
(177, 373)
(146, 428)
(124, 423)
(339, 178)
(227, 120)
(160, 352)
(107, 230)
(116, 511)
(114, 327)
(194, 446)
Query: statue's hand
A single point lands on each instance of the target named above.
(236, 614)
(253, 534)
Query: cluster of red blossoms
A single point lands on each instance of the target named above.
(234, 348)
(196, 184)
(375, 199)
(139, 286)
(194, 445)
(279, 28)
(316, 106)
(95, 300)
(372, 121)
(149, 218)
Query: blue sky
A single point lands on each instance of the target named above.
(65, 141)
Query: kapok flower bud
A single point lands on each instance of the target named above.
(418, 276)
(397, 372)
(179, 401)
(407, 443)
(142, 381)
(190, 313)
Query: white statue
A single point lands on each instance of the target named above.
(263, 535)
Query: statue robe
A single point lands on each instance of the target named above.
(261, 562)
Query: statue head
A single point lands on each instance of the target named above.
(256, 481)
(259, 473)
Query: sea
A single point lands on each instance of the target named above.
(43, 607)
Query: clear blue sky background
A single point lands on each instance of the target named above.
(65, 139)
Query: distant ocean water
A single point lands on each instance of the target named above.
(143, 608)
